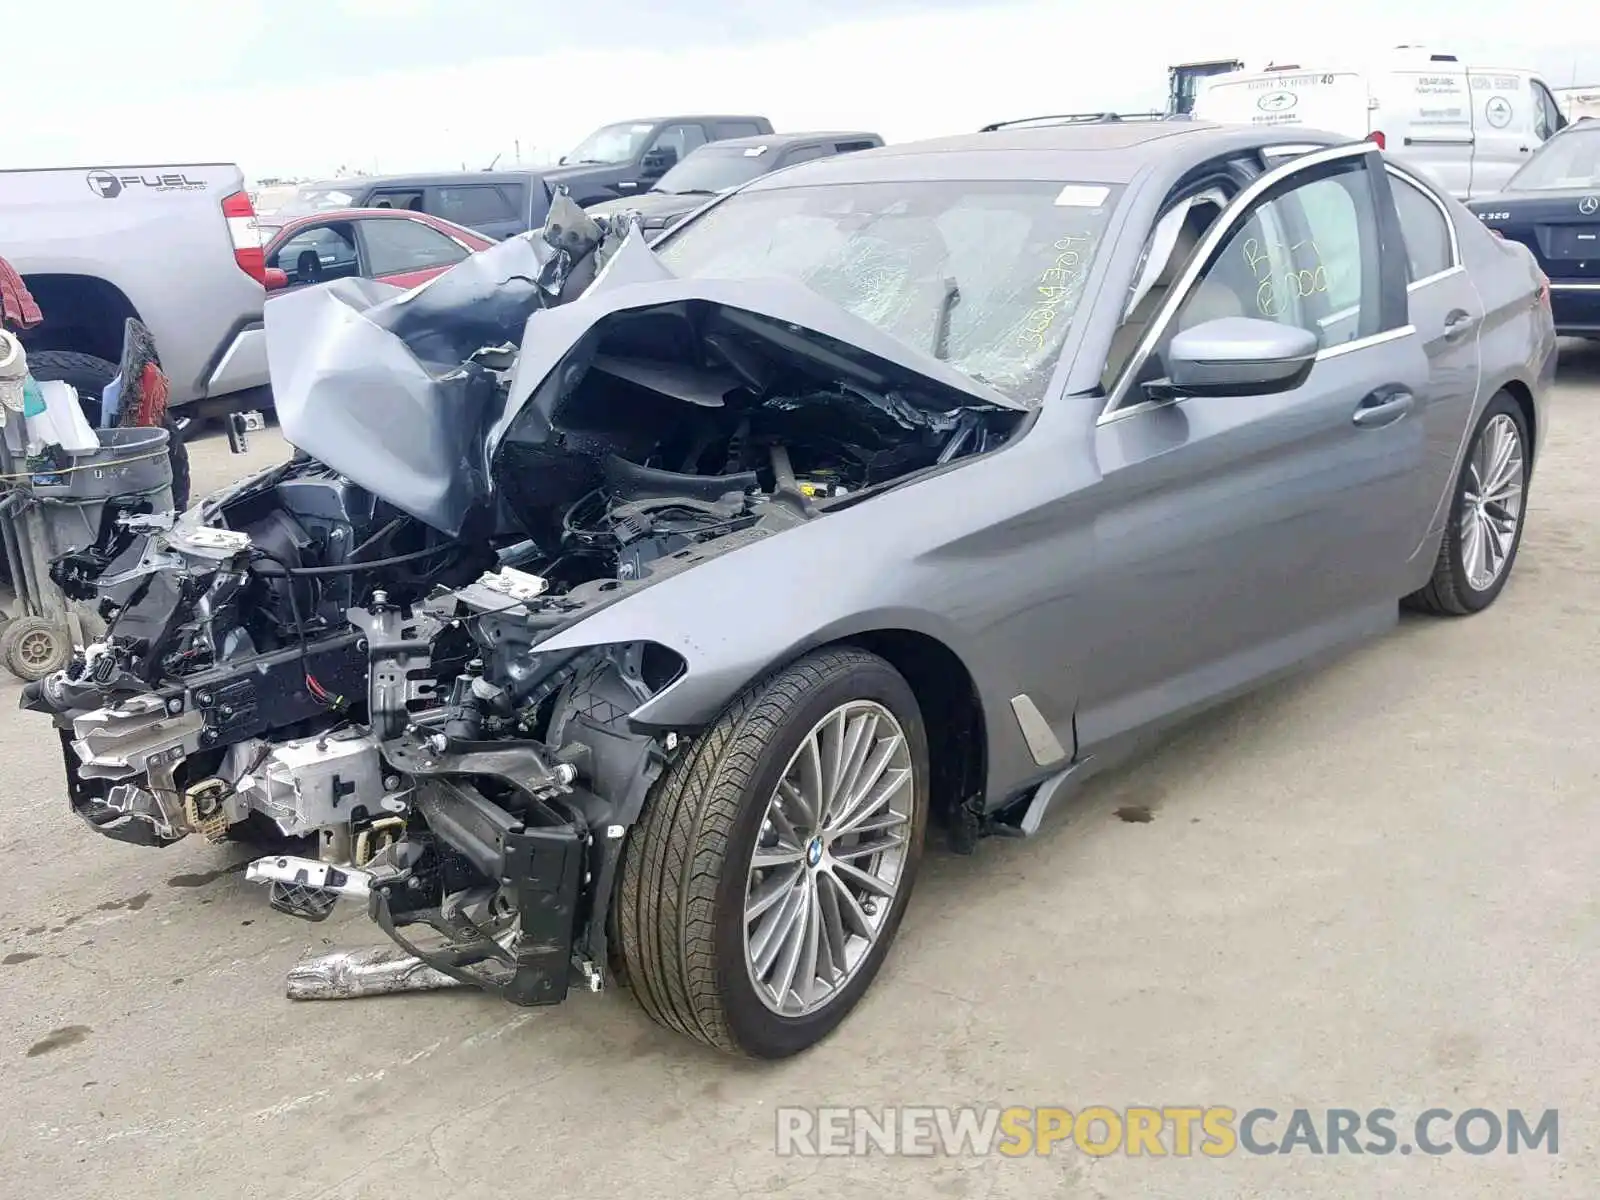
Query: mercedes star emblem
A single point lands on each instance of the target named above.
(1588, 205)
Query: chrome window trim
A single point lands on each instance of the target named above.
(1434, 278)
(1376, 339)
(1216, 236)
(1176, 214)
(1290, 150)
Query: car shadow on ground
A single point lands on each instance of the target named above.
(1579, 361)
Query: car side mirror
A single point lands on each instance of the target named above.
(275, 278)
(1238, 356)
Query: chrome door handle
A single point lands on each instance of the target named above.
(1383, 407)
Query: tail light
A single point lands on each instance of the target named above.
(1377, 139)
(1544, 288)
(246, 235)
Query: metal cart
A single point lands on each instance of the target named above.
(51, 508)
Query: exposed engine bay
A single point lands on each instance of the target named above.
(345, 647)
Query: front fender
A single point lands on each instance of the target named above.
(735, 618)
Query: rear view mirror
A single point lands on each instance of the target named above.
(1238, 356)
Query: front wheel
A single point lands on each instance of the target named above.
(764, 882)
(1486, 516)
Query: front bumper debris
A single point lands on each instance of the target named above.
(486, 896)
(517, 942)
(306, 887)
(378, 971)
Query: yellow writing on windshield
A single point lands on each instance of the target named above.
(1058, 285)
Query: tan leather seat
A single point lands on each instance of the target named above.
(1126, 340)
(1209, 301)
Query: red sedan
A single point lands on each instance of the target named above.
(394, 245)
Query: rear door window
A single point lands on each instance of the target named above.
(737, 129)
(1429, 248)
(408, 199)
(472, 204)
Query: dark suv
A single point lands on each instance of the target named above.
(498, 203)
(722, 166)
(625, 158)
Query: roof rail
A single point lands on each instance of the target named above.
(1094, 118)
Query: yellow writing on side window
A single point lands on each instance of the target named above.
(1304, 276)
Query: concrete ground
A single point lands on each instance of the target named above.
(1373, 887)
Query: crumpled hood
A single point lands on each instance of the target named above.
(375, 381)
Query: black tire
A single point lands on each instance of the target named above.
(89, 376)
(1450, 591)
(678, 916)
(33, 647)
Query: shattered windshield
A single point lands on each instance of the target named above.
(716, 168)
(612, 144)
(1569, 161)
(983, 275)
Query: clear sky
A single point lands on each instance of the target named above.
(304, 87)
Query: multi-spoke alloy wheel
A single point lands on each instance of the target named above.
(1492, 508)
(828, 861)
(764, 882)
(1486, 516)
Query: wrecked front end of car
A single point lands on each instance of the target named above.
(227, 695)
(353, 645)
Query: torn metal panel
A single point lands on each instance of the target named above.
(382, 383)
(373, 971)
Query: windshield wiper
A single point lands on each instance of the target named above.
(941, 330)
(691, 192)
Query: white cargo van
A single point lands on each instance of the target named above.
(1470, 128)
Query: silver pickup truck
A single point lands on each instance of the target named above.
(175, 246)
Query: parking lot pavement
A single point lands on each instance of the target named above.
(1372, 887)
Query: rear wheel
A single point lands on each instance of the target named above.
(88, 376)
(766, 879)
(1485, 524)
